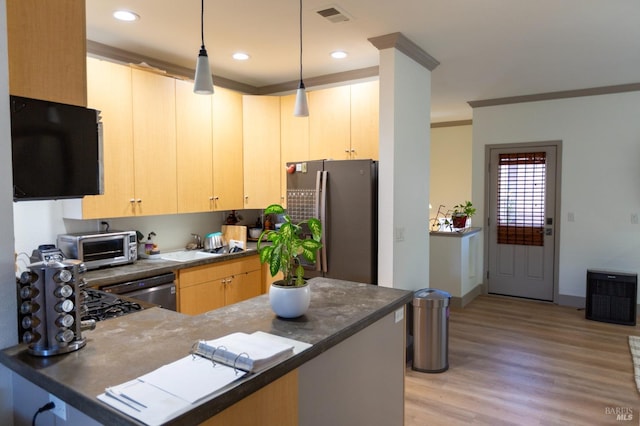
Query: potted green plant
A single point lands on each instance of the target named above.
(289, 297)
(461, 213)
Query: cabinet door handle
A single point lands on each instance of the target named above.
(139, 200)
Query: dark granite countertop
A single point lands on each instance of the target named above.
(144, 268)
(124, 348)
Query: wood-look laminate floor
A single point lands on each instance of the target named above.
(519, 362)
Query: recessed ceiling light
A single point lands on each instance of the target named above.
(126, 15)
(339, 54)
(240, 56)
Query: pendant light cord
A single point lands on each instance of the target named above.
(202, 23)
(300, 40)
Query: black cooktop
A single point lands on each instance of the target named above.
(99, 305)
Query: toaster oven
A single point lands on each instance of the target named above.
(100, 249)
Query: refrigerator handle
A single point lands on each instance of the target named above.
(316, 213)
(323, 220)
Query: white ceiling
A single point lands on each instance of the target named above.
(486, 48)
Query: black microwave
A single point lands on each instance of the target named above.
(56, 150)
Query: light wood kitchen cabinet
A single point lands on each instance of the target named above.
(343, 122)
(329, 123)
(47, 50)
(294, 140)
(139, 143)
(209, 149)
(267, 279)
(261, 145)
(114, 102)
(154, 135)
(365, 101)
(194, 150)
(204, 288)
(228, 168)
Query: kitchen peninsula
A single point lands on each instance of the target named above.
(352, 374)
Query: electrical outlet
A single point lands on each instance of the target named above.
(571, 217)
(634, 218)
(399, 233)
(60, 409)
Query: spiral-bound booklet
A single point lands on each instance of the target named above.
(162, 394)
(246, 352)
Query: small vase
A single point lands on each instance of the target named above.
(459, 221)
(289, 302)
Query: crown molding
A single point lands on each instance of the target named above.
(125, 57)
(452, 123)
(594, 91)
(322, 80)
(406, 46)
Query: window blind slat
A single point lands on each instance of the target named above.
(521, 198)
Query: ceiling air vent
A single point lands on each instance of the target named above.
(333, 15)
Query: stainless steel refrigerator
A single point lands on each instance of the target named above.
(343, 194)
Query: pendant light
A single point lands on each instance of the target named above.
(203, 84)
(301, 109)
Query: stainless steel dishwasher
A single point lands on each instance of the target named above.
(159, 290)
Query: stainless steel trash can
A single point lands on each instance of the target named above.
(431, 330)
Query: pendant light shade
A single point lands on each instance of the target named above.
(203, 84)
(301, 108)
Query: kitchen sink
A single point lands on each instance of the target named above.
(188, 255)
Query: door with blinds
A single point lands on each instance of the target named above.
(521, 215)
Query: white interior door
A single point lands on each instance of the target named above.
(521, 212)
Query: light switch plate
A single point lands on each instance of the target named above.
(399, 314)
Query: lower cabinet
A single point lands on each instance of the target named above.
(207, 287)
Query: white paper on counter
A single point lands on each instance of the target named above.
(297, 345)
(192, 378)
(160, 405)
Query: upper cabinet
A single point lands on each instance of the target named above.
(114, 102)
(365, 119)
(139, 143)
(194, 150)
(329, 123)
(43, 66)
(209, 147)
(167, 150)
(294, 140)
(154, 147)
(343, 122)
(228, 167)
(261, 145)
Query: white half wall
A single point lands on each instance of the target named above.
(403, 205)
(600, 185)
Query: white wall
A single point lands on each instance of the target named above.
(450, 179)
(600, 175)
(39, 222)
(8, 309)
(403, 213)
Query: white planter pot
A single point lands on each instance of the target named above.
(289, 302)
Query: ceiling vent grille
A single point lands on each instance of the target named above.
(333, 14)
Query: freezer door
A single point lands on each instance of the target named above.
(351, 234)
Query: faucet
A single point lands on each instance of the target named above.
(197, 244)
